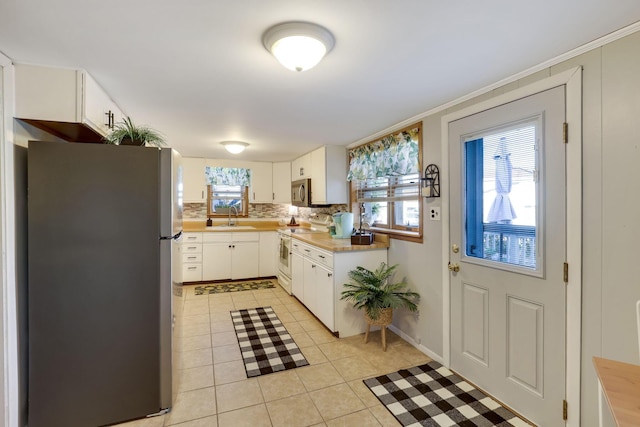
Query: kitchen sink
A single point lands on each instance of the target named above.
(234, 227)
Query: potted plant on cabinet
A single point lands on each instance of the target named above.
(127, 133)
(373, 292)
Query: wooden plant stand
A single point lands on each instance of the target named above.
(383, 320)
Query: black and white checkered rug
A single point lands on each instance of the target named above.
(432, 395)
(265, 344)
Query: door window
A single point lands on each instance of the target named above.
(501, 215)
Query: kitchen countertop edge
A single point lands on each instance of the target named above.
(321, 240)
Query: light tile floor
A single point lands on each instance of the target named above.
(214, 390)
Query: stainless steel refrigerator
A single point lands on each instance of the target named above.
(103, 225)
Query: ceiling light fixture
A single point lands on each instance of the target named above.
(234, 147)
(298, 46)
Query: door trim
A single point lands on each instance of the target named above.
(572, 80)
(9, 394)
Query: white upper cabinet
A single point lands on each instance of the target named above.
(282, 182)
(261, 190)
(301, 167)
(194, 180)
(64, 102)
(329, 175)
(261, 182)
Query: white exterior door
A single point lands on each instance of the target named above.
(508, 245)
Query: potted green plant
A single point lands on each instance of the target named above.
(373, 292)
(127, 133)
(222, 208)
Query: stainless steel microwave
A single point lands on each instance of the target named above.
(301, 192)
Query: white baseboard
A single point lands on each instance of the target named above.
(438, 358)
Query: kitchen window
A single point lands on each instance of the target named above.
(225, 200)
(385, 182)
(227, 191)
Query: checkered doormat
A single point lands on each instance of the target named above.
(265, 344)
(246, 285)
(432, 395)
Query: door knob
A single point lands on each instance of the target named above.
(454, 267)
(455, 248)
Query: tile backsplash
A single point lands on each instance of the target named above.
(198, 211)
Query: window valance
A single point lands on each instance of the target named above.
(228, 176)
(393, 155)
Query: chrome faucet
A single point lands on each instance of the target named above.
(231, 224)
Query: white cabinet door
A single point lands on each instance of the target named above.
(261, 185)
(282, 182)
(297, 276)
(216, 261)
(329, 175)
(50, 95)
(309, 285)
(319, 176)
(194, 180)
(269, 254)
(244, 260)
(96, 105)
(324, 296)
(301, 167)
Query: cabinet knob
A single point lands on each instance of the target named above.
(329, 274)
(313, 266)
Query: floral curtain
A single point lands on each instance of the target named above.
(395, 154)
(228, 176)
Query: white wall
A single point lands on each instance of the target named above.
(611, 214)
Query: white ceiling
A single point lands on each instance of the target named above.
(197, 71)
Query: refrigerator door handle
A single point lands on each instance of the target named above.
(174, 237)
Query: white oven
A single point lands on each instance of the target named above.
(319, 224)
(284, 261)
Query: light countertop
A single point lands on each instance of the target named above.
(621, 386)
(321, 240)
(325, 241)
(219, 227)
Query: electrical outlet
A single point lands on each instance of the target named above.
(435, 214)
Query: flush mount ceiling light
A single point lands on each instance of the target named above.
(298, 45)
(234, 147)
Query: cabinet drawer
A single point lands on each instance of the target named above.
(191, 258)
(192, 273)
(300, 248)
(191, 248)
(322, 257)
(192, 237)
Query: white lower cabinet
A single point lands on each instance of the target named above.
(244, 260)
(324, 296)
(217, 261)
(297, 275)
(191, 257)
(269, 253)
(230, 256)
(318, 278)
